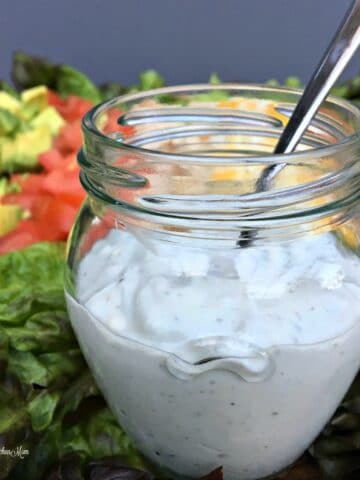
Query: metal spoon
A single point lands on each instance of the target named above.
(338, 54)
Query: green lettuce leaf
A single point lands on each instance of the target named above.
(6, 87)
(111, 90)
(30, 71)
(49, 402)
(72, 82)
(150, 79)
(27, 368)
(42, 408)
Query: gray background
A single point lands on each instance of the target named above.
(245, 40)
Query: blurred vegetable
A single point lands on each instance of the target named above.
(49, 403)
(10, 216)
(214, 79)
(44, 382)
(8, 122)
(6, 87)
(293, 82)
(148, 80)
(111, 90)
(337, 450)
(29, 71)
(27, 127)
(73, 82)
(8, 187)
(349, 90)
(49, 199)
(212, 95)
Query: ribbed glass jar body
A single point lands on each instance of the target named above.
(217, 319)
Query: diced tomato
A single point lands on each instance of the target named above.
(113, 126)
(51, 159)
(28, 201)
(74, 199)
(27, 233)
(71, 108)
(29, 182)
(43, 208)
(16, 240)
(71, 163)
(78, 107)
(69, 139)
(126, 130)
(42, 232)
(59, 216)
(51, 198)
(50, 219)
(54, 99)
(63, 182)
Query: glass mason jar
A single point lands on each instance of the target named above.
(221, 324)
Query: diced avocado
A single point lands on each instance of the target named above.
(7, 154)
(8, 122)
(7, 186)
(6, 87)
(49, 117)
(37, 96)
(10, 215)
(8, 102)
(22, 152)
(28, 111)
(34, 141)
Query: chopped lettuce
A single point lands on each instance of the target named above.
(150, 79)
(212, 95)
(111, 89)
(9, 122)
(49, 402)
(293, 82)
(7, 186)
(72, 82)
(30, 71)
(214, 79)
(6, 87)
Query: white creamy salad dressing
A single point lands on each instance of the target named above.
(288, 312)
(256, 295)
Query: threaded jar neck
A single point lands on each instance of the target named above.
(184, 161)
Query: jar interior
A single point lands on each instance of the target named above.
(197, 152)
(216, 140)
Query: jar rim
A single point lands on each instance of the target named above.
(89, 124)
(117, 175)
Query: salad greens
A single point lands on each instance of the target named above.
(29, 71)
(148, 80)
(49, 403)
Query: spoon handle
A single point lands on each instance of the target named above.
(340, 51)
